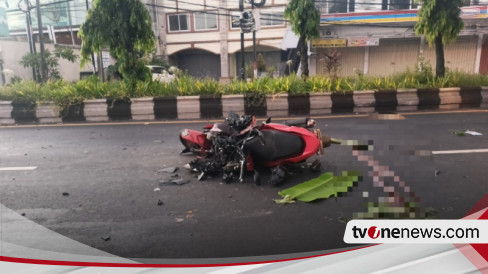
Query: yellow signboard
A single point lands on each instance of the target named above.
(329, 43)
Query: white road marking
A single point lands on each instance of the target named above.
(18, 168)
(460, 151)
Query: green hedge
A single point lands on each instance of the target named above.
(67, 93)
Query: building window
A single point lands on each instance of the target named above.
(470, 2)
(367, 5)
(272, 17)
(179, 22)
(399, 4)
(339, 6)
(205, 21)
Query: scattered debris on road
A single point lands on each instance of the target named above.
(473, 133)
(65, 194)
(160, 203)
(157, 189)
(430, 212)
(437, 172)
(462, 133)
(179, 220)
(23, 214)
(168, 170)
(173, 181)
(105, 238)
(458, 133)
(343, 220)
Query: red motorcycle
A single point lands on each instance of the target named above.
(238, 145)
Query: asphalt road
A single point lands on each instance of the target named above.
(108, 174)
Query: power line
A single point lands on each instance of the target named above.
(208, 12)
(43, 5)
(280, 20)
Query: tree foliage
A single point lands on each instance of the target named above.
(158, 60)
(304, 19)
(440, 23)
(124, 26)
(52, 61)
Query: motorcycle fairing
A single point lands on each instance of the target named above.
(309, 145)
(191, 138)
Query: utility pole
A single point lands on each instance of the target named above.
(70, 26)
(92, 55)
(41, 42)
(254, 45)
(31, 29)
(243, 69)
(29, 40)
(248, 24)
(32, 47)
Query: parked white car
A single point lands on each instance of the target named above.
(162, 75)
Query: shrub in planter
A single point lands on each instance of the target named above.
(23, 95)
(255, 103)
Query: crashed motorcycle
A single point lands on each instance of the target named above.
(239, 145)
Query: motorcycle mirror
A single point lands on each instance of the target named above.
(268, 120)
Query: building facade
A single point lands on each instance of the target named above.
(377, 37)
(373, 37)
(203, 37)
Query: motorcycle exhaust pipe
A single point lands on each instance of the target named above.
(325, 141)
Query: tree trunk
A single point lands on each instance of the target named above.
(295, 57)
(301, 51)
(440, 69)
(304, 59)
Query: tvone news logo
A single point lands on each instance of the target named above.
(416, 231)
(372, 232)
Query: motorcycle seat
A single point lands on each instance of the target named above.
(277, 145)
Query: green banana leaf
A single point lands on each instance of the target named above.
(322, 187)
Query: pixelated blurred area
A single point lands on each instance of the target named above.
(398, 201)
(384, 160)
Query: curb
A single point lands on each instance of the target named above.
(217, 106)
